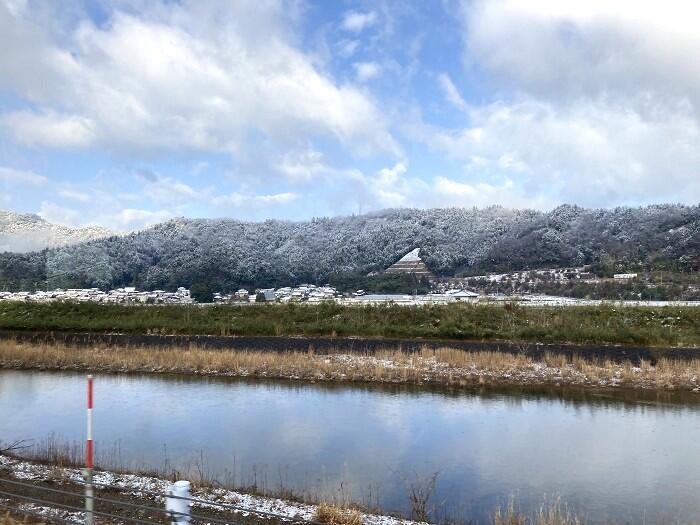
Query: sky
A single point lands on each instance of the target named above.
(125, 113)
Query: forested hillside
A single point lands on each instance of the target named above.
(666, 236)
(226, 254)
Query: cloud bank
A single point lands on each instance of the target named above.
(124, 113)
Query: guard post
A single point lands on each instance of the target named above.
(178, 503)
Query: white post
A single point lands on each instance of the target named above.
(177, 503)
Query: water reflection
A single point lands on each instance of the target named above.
(614, 454)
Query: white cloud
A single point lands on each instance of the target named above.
(237, 199)
(347, 48)
(24, 177)
(48, 128)
(277, 198)
(450, 192)
(365, 71)
(355, 21)
(393, 187)
(130, 219)
(564, 49)
(594, 103)
(451, 92)
(75, 195)
(229, 71)
(167, 190)
(389, 185)
(302, 165)
(98, 204)
(591, 153)
(58, 214)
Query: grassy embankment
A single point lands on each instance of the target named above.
(608, 324)
(443, 366)
(45, 473)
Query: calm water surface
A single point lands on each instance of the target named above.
(616, 458)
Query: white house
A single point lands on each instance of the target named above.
(463, 295)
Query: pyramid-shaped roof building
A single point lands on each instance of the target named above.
(410, 263)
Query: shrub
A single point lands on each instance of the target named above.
(334, 515)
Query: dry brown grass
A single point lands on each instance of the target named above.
(556, 513)
(550, 513)
(7, 519)
(508, 516)
(334, 515)
(446, 366)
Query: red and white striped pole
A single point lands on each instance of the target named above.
(88, 447)
(89, 491)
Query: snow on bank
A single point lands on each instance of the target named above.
(51, 512)
(506, 369)
(135, 485)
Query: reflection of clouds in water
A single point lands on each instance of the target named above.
(27, 399)
(599, 452)
(585, 454)
(355, 437)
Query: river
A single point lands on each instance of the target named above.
(611, 456)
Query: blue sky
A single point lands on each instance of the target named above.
(124, 113)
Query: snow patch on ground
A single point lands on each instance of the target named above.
(132, 484)
(432, 370)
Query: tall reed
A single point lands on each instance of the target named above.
(443, 366)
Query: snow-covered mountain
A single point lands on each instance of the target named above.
(225, 254)
(29, 232)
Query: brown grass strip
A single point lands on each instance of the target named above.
(442, 366)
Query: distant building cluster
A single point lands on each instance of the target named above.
(449, 296)
(303, 293)
(119, 296)
(309, 293)
(557, 274)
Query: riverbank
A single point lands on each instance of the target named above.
(248, 509)
(428, 366)
(584, 325)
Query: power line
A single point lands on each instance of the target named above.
(117, 502)
(77, 509)
(44, 517)
(202, 502)
(39, 487)
(210, 502)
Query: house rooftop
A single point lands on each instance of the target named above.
(411, 256)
